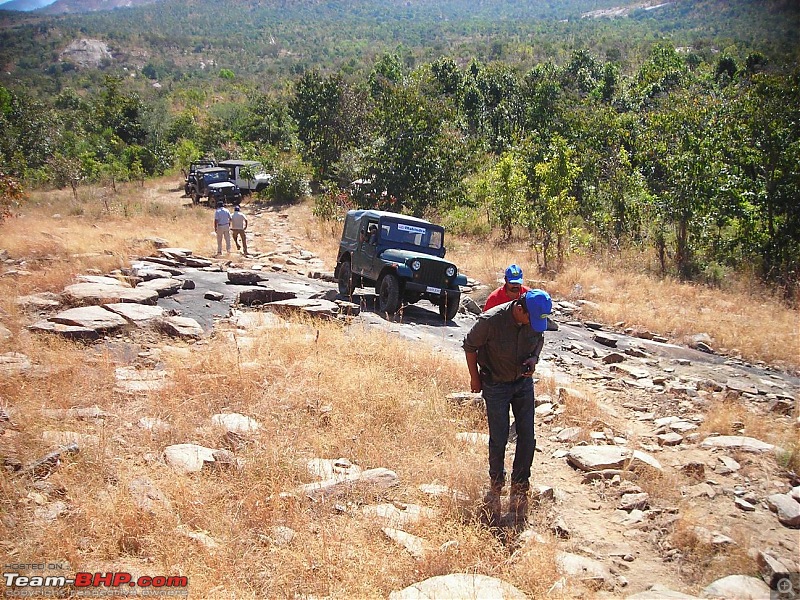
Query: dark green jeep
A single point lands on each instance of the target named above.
(402, 257)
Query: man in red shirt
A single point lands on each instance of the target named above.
(511, 290)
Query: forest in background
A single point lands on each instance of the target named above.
(674, 130)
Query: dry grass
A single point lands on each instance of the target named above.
(702, 561)
(282, 378)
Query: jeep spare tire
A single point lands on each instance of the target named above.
(346, 286)
(389, 294)
(449, 305)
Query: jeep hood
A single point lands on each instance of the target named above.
(402, 256)
(225, 186)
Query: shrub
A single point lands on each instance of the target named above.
(332, 205)
(290, 184)
(466, 220)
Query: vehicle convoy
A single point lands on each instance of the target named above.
(249, 175)
(213, 184)
(402, 257)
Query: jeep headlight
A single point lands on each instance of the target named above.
(451, 270)
(416, 265)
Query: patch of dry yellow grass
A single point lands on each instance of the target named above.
(319, 390)
(702, 562)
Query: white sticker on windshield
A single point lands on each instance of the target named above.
(411, 228)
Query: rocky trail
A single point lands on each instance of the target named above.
(595, 478)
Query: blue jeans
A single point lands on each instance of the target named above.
(499, 397)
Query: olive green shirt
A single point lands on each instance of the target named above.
(502, 344)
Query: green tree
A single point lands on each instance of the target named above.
(417, 156)
(505, 187)
(553, 203)
(330, 117)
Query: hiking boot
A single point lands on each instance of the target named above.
(518, 503)
(491, 510)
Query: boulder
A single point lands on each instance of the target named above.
(459, 585)
(737, 587)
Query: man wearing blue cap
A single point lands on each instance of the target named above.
(510, 290)
(502, 349)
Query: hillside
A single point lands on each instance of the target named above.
(322, 444)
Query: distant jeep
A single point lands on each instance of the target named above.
(402, 257)
(190, 176)
(214, 185)
(249, 175)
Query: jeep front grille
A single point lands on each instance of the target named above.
(431, 273)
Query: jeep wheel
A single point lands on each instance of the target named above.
(389, 295)
(449, 305)
(346, 286)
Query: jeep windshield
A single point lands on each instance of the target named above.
(215, 177)
(423, 236)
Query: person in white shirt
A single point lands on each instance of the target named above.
(222, 227)
(238, 227)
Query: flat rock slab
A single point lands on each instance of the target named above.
(459, 585)
(175, 253)
(72, 332)
(100, 293)
(737, 442)
(102, 280)
(598, 458)
(41, 300)
(163, 286)
(182, 327)
(315, 308)
(91, 317)
(262, 295)
(138, 314)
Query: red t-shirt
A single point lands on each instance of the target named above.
(499, 296)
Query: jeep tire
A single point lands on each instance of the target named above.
(346, 283)
(389, 294)
(449, 305)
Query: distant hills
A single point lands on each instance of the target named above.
(58, 7)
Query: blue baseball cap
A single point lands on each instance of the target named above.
(539, 306)
(514, 274)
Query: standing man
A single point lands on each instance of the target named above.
(510, 290)
(222, 227)
(238, 227)
(502, 349)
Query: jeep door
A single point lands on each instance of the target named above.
(365, 259)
